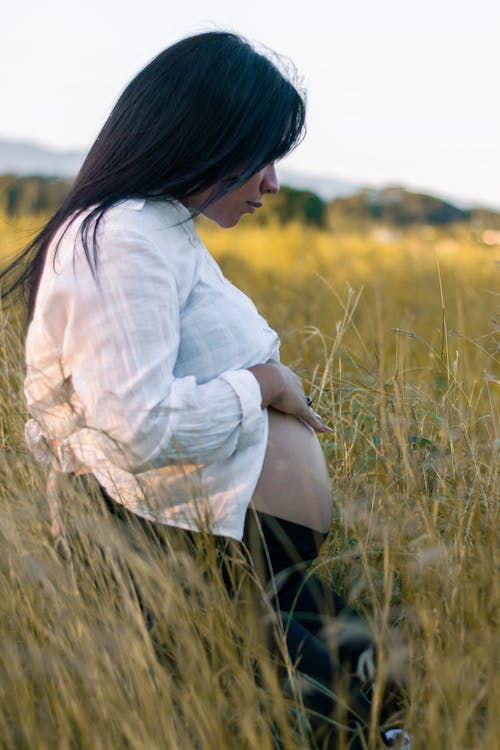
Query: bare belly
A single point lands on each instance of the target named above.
(294, 482)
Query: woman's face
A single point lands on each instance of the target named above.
(245, 199)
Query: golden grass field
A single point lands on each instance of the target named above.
(397, 339)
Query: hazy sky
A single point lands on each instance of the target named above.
(401, 91)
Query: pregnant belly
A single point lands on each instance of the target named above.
(294, 482)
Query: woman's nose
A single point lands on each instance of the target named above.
(270, 182)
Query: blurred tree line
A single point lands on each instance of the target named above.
(392, 206)
(29, 196)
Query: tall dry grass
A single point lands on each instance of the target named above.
(398, 344)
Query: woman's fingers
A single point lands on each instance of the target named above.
(303, 408)
(316, 421)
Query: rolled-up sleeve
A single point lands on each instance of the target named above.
(120, 346)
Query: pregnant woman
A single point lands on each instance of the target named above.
(149, 370)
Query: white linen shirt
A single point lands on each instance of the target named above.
(141, 375)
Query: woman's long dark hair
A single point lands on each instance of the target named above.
(209, 110)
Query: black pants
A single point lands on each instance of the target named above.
(325, 638)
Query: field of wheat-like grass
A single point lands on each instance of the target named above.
(397, 340)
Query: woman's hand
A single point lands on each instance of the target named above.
(282, 390)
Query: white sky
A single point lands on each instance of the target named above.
(401, 91)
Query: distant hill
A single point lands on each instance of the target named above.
(393, 206)
(35, 180)
(27, 159)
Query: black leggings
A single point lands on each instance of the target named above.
(326, 639)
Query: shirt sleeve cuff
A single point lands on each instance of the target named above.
(253, 421)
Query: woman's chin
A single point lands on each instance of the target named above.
(224, 221)
(227, 222)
